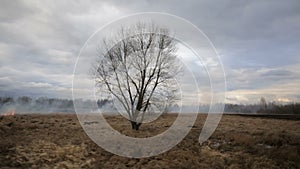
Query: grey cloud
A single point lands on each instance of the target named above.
(39, 40)
(277, 73)
(261, 78)
(8, 10)
(247, 33)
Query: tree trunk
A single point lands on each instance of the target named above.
(135, 125)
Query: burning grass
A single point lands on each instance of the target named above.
(58, 141)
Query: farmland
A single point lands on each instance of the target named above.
(58, 141)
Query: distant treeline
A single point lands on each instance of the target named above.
(271, 108)
(25, 104)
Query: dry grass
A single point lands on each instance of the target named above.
(58, 141)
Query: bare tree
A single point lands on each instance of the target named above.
(263, 103)
(138, 68)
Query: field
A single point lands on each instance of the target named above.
(58, 141)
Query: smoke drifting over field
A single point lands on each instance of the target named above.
(25, 104)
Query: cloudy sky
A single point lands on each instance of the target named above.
(258, 42)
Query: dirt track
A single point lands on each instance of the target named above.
(58, 141)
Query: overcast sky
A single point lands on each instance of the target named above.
(258, 42)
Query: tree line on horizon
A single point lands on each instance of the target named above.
(47, 105)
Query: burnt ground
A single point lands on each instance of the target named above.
(58, 141)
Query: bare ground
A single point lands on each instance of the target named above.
(58, 141)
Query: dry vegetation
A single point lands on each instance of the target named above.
(58, 141)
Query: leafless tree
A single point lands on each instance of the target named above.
(138, 68)
(263, 103)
